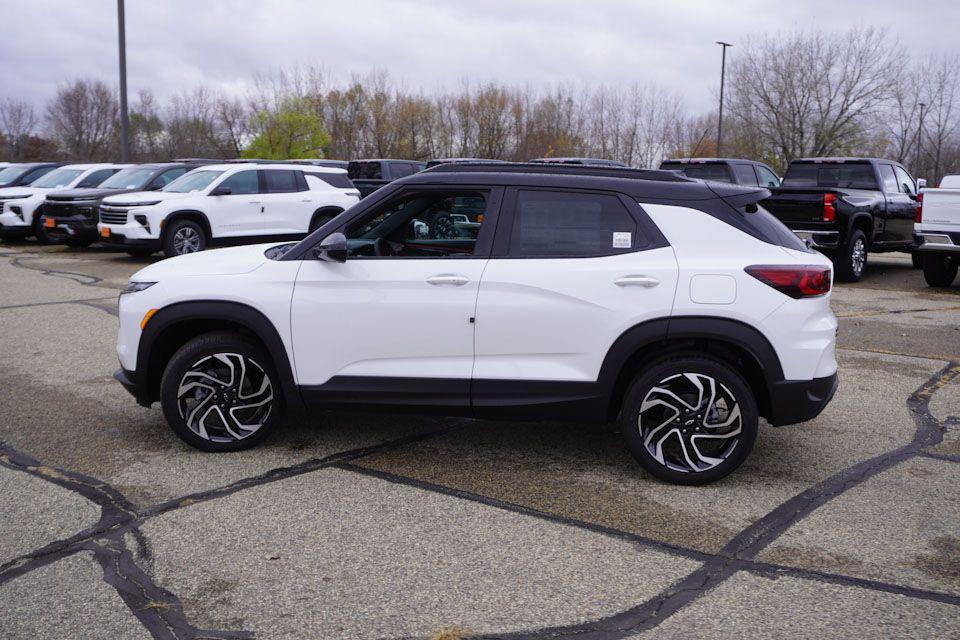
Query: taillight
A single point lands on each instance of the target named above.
(918, 214)
(829, 208)
(805, 281)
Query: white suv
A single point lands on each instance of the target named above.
(677, 307)
(19, 205)
(228, 203)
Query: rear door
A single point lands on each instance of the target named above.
(286, 209)
(570, 272)
(745, 173)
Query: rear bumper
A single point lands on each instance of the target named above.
(937, 242)
(793, 401)
(129, 381)
(819, 239)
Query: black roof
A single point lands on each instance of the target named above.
(603, 162)
(646, 184)
(711, 161)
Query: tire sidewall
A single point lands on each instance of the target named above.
(939, 270)
(651, 376)
(168, 247)
(196, 350)
(845, 268)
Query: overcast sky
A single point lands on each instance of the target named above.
(178, 44)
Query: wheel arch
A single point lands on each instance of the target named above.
(731, 341)
(173, 326)
(331, 210)
(188, 214)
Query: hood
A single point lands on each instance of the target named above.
(7, 192)
(215, 262)
(84, 194)
(138, 197)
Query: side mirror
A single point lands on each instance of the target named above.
(333, 248)
(921, 183)
(221, 191)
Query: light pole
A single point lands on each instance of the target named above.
(916, 166)
(124, 118)
(723, 73)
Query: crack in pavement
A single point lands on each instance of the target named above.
(85, 301)
(80, 278)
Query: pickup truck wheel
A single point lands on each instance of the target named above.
(689, 420)
(182, 237)
(220, 392)
(939, 270)
(851, 260)
(917, 260)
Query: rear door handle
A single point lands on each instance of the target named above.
(647, 282)
(454, 279)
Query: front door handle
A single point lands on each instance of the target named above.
(454, 279)
(647, 282)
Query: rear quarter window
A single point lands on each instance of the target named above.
(322, 180)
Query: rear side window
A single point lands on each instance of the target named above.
(365, 171)
(745, 174)
(556, 224)
(402, 169)
(717, 172)
(335, 180)
(279, 181)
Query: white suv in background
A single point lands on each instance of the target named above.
(20, 205)
(678, 308)
(228, 203)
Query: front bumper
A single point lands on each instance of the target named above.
(13, 225)
(819, 239)
(129, 381)
(121, 240)
(793, 401)
(73, 228)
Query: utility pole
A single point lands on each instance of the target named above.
(916, 166)
(124, 118)
(723, 73)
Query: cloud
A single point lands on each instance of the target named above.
(176, 45)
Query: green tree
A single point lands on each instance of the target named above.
(292, 131)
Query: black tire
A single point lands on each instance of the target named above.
(321, 218)
(681, 432)
(187, 411)
(182, 237)
(851, 261)
(140, 253)
(939, 270)
(917, 260)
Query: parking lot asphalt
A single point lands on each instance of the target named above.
(393, 526)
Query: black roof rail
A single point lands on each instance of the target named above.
(561, 169)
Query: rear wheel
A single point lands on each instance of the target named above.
(939, 270)
(917, 260)
(220, 392)
(689, 420)
(851, 259)
(182, 237)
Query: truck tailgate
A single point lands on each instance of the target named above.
(941, 209)
(796, 205)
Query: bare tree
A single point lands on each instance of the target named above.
(82, 120)
(17, 121)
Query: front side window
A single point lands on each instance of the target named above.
(767, 178)
(167, 177)
(281, 181)
(95, 178)
(745, 174)
(242, 183)
(196, 180)
(10, 175)
(555, 224)
(57, 179)
(128, 179)
(432, 224)
(906, 182)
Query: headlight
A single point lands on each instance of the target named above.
(133, 287)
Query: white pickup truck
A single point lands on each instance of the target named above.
(936, 232)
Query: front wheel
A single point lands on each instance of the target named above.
(220, 392)
(851, 259)
(689, 420)
(939, 270)
(183, 237)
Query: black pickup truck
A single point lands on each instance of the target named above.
(369, 175)
(847, 208)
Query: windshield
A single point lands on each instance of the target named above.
(718, 172)
(10, 174)
(836, 175)
(197, 180)
(135, 178)
(57, 179)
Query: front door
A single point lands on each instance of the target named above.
(395, 321)
(239, 213)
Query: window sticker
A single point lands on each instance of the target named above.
(622, 239)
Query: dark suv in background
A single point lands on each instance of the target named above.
(370, 175)
(22, 174)
(733, 170)
(71, 216)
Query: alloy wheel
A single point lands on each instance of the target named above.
(186, 240)
(225, 397)
(690, 422)
(858, 256)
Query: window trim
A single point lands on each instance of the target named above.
(643, 224)
(485, 239)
